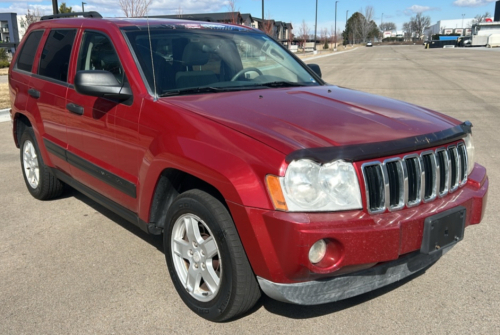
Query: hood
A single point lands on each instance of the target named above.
(289, 119)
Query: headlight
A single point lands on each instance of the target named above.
(469, 144)
(310, 187)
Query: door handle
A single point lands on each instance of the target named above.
(34, 93)
(73, 108)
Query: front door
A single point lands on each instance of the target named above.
(93, 151)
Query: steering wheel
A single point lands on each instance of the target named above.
(248, 69)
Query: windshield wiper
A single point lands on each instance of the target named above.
(281, 84)
(192, 90)
(211, 89)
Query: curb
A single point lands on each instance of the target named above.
(332, 54)
(5, 115)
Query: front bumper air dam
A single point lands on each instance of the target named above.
(347, 286)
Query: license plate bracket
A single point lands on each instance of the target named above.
(443, 229)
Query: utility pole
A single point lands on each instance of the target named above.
(335, 48)
(263, 22)
(347, 34)
(83, 6)
(382, 21)
(463, 15)
(315, 25)
(55, 7)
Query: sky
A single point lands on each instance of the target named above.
(295, 11)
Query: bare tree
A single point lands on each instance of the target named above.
(480, 18)
(386, 26)
(333, 38)
(268, 25)
(135, 8)
(303, 33)
(291, 35)
(407, 29)
(366, 24)
(233, 12)
(418, 23)
(323, 37)
(31, 17)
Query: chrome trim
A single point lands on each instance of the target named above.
(433, 168)
(418, 175)
(464, 151)
(454, 187)
(367, 192)
(458, 149)
(446, 172)
(401, 177)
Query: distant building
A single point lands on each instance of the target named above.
(281, 31)
(447, 27)
(9, 35)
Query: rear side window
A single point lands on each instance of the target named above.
(54, 62)
(27, 54)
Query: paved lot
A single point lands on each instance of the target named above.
(71, 267)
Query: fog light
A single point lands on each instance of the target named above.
(317, 251)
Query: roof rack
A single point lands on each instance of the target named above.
(84, 14)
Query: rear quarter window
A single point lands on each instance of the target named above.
(27, 54)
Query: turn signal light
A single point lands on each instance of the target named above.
(274, 187)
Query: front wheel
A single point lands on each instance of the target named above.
(205, 258)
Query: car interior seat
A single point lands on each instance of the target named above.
(192, 56)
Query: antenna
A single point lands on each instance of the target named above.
(151, 54)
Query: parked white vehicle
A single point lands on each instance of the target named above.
(486, 33)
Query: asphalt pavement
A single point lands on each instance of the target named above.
(69, 266)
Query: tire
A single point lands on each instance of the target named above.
(205, 258)
(40, 182)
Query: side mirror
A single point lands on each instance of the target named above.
(101, 83)
(315, 68)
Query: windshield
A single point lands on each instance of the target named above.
(188, 61)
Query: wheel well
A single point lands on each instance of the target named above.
(171, 183)
(20, 122)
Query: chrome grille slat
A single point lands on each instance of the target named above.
(454, 167)
(444, 168)
(462, 152)
(395, 181)
(428, 159)
(413, 173)
(408, 181)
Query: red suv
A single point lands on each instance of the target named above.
(261, 177)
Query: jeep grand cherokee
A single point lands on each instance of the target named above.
(260, 176)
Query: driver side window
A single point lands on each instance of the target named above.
(97, 53)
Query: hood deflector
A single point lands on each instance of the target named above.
(359, 152)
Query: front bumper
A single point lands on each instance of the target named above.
(347, 286)
(277, 243)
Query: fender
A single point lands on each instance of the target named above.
(209, 151)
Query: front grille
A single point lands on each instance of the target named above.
(398, 182)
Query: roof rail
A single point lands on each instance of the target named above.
(84, 14)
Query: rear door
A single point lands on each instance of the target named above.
(20, 75)
(47, 92)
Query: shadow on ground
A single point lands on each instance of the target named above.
(273, 306)
(154, 240)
